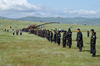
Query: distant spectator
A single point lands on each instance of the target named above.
(17, 32)
(7, 30)
(20, 32)
(13, 32)
(29, 31)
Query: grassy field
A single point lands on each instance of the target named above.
(31, 50)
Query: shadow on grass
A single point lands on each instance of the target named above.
(97, 56)
(86, 50)
(73, 40)
(87, 43)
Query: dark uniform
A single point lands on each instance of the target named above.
(48, 35)
(93, 43)
(69, 38)
(51, 36)
(87, 33)
(64, 39)
(43, 33)
(79, 40)
(58, 37)
(55, 35)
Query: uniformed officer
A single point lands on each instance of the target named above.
(58, 37)
(93, 43)
(87, 33)
(64, 39)
(43, 33)
(48, 35)
(79, 40)
(51, 36)
(69, 38)
(55, 36)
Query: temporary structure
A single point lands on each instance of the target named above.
(8, 27)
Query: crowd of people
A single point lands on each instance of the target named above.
(17, 31)
(56, 37)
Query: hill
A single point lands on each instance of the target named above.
(76, 20)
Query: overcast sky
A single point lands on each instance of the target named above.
(50, 8)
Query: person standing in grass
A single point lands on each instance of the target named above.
(17, 32)
(20, 32)
(69, 38)
(48, 35)
(55, 35)
(29, 31)
(93, 43)
(51, 36)
(87, 33)
(13, 32)
(79, 40)
(58, 37)
(64, 39)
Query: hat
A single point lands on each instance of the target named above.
(69, 29)
(92, 30)
(78, 29)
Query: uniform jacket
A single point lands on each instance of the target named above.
(79, 36)
(79, 39)
(64, 36)
(58, 35)
(55, 34)
(93, 38)
(51, 35)
(69, 35)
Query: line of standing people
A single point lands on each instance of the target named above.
(68, 36)
(79, 40)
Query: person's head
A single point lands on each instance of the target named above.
(78, 30)
(54, 30)
(92, 30)
(58, 31)
(69, 29)
(64, 32)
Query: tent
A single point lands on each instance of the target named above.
(8, 27)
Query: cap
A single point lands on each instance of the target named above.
(92, 30)
(78, 29)
(69, 29)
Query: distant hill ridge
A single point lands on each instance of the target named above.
(76, 20)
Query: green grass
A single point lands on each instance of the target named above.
(31, 50)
